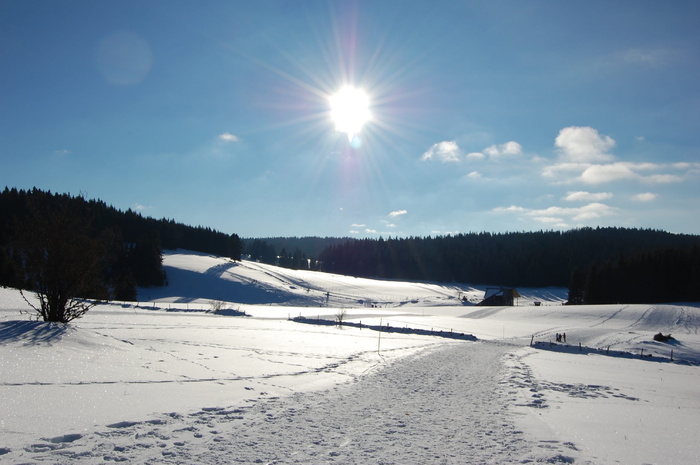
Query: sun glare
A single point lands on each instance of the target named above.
(349, 110)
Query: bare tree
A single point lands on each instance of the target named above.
(61, 262)
(340, 316)
(217, 306)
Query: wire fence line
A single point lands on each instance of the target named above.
(387, 328)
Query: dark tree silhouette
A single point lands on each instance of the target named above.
(146, 261)
(135, 250)
(261, 251)
(668, 274)
(61, 262)
(577, 288)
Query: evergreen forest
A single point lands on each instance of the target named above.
(129, 246)
(299, 253)
(598, 265)
(601, 265)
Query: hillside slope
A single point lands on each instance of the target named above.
(198, 277)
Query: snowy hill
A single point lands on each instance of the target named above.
(175, 379)
(195, 277)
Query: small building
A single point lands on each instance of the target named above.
(499, 297)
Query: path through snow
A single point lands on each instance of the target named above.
(445, 405)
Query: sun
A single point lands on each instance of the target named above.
(349, 110)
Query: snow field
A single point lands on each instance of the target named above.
(171, 381)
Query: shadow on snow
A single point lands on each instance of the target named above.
(606, 351)
(32, 332)
(387, 328)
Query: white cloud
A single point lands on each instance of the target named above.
(561, 215)
(689, 167)
(357, 225)
(446, 151)
(449, 152)
(645, 166)
(592, 211)
(584, 157)
(62, 152)
(583, 145)
(491, 151)
(661, 179)
(563, 171)
(583, 196)
(512, 208)
(474, 175)
(396, 213)
(509, 148)
(228, 137)
(598, 174)
(371, 231)
(548, 219)
(645, 197)
(140, 207)
(692, 169)
(649, 57)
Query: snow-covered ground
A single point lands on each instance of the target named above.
(176, 379)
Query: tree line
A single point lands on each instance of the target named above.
(45, 237)
(299, 253)
(668, 274)
(521, 259)
(70, 247)
(601, 265)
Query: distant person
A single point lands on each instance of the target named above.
(564, 337)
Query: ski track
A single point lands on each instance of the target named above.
(446, 405)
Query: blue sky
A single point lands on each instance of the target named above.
(485, 116)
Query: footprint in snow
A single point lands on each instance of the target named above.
(123, 424)
(65, 438)
(38, 448)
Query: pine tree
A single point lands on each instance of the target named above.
(577, 288)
